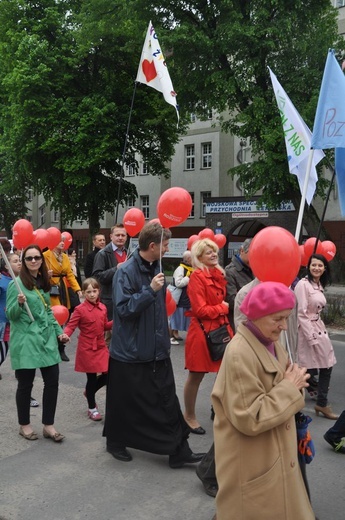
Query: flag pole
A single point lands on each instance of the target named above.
(303, 197)
(124, 153)
(325, 207)
(13, 276)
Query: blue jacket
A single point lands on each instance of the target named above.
(140, 328)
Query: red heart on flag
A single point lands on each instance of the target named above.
(149, 70)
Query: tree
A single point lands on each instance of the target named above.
(67, 71)
(221, 51)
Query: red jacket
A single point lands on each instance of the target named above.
(92, 353)
(206, 291)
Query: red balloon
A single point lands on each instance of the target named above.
(174, 207)
(67, 238)
(329, 250)
(191, 241)
(22, 233)
(309, 247)
(41, 238)
(54, 237)
(206, 233)
(274, 255)
(61, 313)
(220, 240)
(170, 303)
(133, 220)
(304, 258)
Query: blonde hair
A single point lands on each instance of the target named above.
(198, 248)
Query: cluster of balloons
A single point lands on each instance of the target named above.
(325, 248)
(275, 256)
(173, 208)
(23, 235)
(218, 238)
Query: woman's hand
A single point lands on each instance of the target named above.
(21, 299)
(50, 273)
(63, 338)
(297, 375)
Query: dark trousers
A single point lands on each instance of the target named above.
(25, 377)
(337, 431)
(323, 386)
(94, 383)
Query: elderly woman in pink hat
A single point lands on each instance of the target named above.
(256, 396)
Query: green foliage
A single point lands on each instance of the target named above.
(221, 51)
(67, 73)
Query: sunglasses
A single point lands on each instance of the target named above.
(31, 258)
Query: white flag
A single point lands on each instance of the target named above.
(297, 140)
(152, 69)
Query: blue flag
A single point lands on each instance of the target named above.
(329, 124)
(340, 175)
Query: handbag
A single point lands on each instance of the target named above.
(217, 341)
(54, 290)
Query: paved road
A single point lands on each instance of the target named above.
(79, 480)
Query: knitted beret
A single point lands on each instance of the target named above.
(267, 298)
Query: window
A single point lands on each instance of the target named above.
(340, 3)
(55, 215)
(206, 155)
(42, 214)
(130, 202)
(145, 168)
(209, 113)
(203, 196)
(189, 157)
(29, 218)
(191, 214)
(30, 195)
(145, 205)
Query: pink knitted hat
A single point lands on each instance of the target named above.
(267, 298)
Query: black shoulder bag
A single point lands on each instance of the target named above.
(216, 340)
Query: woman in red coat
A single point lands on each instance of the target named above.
(206, 291)
(92, 355)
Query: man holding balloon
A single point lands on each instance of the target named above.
(142, 409)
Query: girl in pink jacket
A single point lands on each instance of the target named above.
(92, 354)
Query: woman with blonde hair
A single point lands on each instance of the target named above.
(209, 310)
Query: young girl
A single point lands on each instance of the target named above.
(92, 355)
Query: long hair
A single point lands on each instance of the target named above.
(198, 249)
(26, 276)
(325, 278)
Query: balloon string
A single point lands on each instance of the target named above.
(160, 252)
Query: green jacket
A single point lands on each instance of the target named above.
(32, 344)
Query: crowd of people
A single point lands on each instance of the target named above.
(124, 344)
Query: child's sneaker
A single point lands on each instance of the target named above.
(94, 415)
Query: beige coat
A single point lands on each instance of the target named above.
(255, 435)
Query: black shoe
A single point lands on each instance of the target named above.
(191, 458)
(211, 488)
(120, 454)
(337, 446)
(64, 356)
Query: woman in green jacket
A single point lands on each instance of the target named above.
(33, 344)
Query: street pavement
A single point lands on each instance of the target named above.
(78, 479)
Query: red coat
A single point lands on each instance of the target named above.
(206, 291)
(92, 353)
